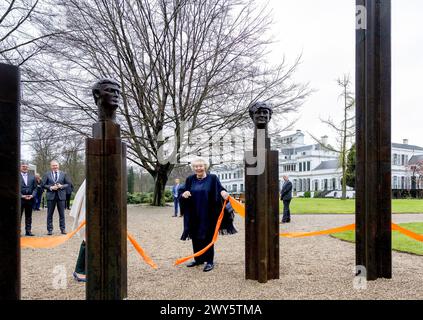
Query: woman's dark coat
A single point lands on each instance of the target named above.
(204, 229)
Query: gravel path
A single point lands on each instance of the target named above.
(311, 268)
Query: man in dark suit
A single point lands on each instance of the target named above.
(175, 189)
(28, 193)
(286, 197)
(55, 182)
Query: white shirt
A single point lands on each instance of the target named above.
(25, 177)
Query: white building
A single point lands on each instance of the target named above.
(315, 168)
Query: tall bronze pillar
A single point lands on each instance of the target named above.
(262, 202)
(10, 262)
(373, 116)
(106, 200)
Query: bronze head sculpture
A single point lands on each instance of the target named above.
(106, 94)
(260, 113)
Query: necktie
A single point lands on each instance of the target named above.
(55, 176)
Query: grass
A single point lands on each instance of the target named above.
(400, 242)
(337, 206)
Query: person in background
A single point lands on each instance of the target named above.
(78, 214)
(28, 192)
(39, 194)
(69, 191)
(175, 189)
(286, 197)
(55, 182)
(201, 202)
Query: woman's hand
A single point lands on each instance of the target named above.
(224, 194)
(186, 194)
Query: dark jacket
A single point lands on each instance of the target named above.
(30, 188)
(69, 189)
(214, 208)
(48, 181)
(286, 193)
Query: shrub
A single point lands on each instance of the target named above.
(139, 198)
(307, 194)
(168, 196)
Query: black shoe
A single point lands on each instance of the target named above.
(29, 234)
(50, 233)
(208, 267)
(193, 264)
(63, 232)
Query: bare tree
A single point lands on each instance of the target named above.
(184, 66)
(345, 130)
(72, 159)
(46, 147)
(20, 39)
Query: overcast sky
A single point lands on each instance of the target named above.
(324, 31)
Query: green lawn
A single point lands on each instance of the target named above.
(330, 206)
(400, 242)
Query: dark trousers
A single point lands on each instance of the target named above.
(26, 205)
(80, 263)
(176, 205)
(37, 202)
(199, 244)
(51, 205)
(68, 199)
(286, 212)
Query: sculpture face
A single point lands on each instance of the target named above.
(262, 118)
(107, 95)
(261, 113)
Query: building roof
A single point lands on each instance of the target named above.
(406, 146)
(327, 165)
(415, 159)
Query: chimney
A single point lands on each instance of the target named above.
(405, 141)
(324, 140)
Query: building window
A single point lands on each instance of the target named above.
(402, 183)
(242, 187)
(308, 166)
(301, 167)
(395, 182)
(403, 160)
(234, 188)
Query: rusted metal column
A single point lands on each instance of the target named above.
(106, 200)
(373, 170)
(262, 202)
(10, 258)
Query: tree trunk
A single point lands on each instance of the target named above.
(344, 181)
(160, 181)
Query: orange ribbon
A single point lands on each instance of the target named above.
(318, 233)
(48, 242)
(216, 233)
(240, 209)
(237, 206)
(141, 251)
(52, 242)
(408, 233)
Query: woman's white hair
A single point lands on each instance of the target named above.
(200, 160)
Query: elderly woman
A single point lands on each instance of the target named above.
(201, 201)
